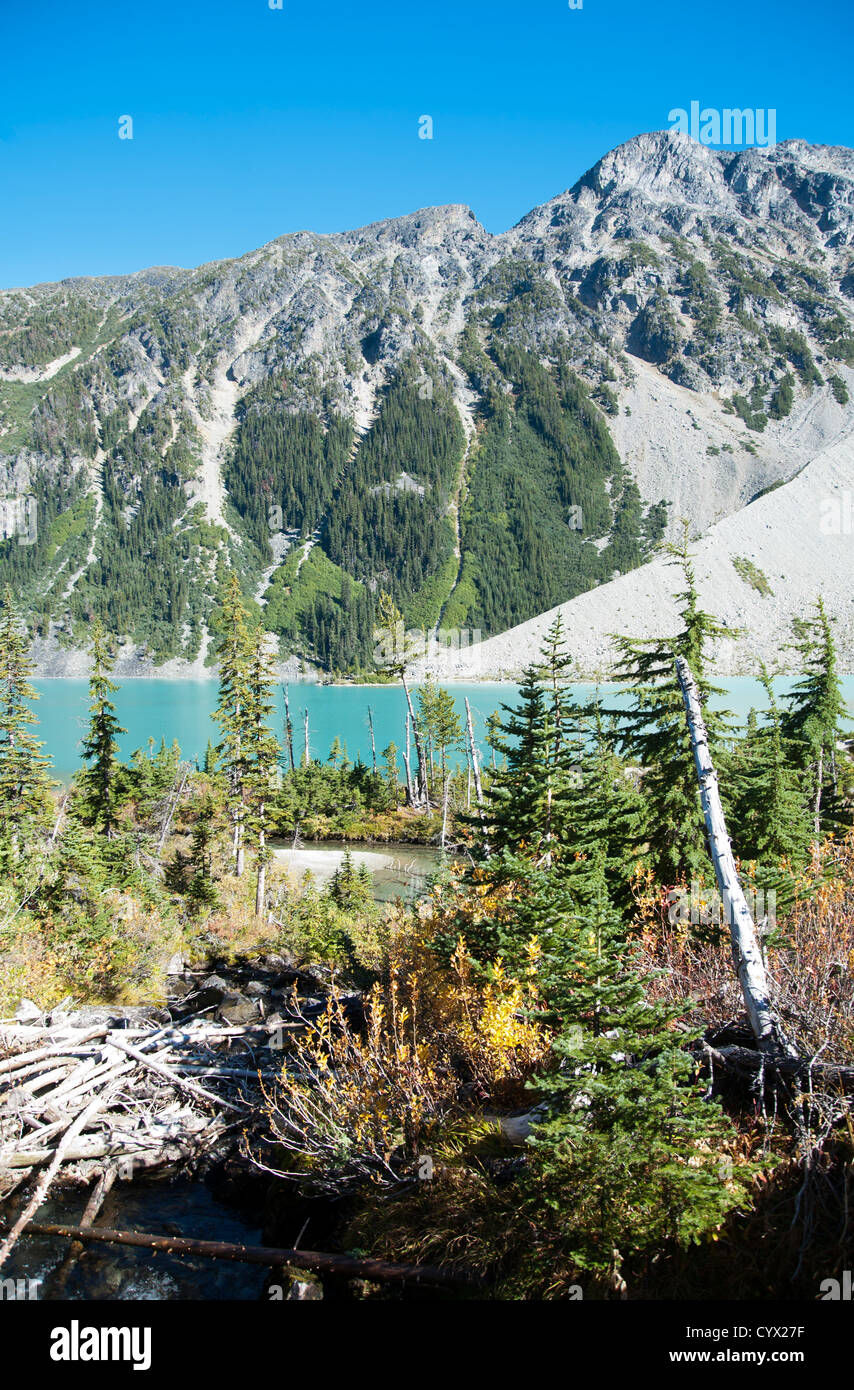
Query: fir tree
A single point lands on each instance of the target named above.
(813, 722)
(233, 655)
(517, 797)
(350, 887)
(100, 782)
(605, 810)
(770, 821)
(629, 1151)
(565, 722)
(653, 732)
(540, 741)
(24, 783)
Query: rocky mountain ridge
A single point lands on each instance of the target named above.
(486, 425)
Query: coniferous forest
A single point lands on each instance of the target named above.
(554, 1031)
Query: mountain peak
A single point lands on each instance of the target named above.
(484, 425)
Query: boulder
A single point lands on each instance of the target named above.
(241, 1011)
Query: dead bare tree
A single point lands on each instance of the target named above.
(746, 955)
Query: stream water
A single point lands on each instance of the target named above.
(184, 1207)
(396, 870)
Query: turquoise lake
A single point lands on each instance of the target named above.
(181, 709)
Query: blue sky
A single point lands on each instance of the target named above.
(250, 122)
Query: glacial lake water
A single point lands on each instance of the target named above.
(182, 709)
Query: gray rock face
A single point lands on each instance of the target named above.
(682, 281)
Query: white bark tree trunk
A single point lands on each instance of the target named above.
(478, 785)
(410, 790)
(746, 955)
(423, 789)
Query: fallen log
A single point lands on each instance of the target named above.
(380, 1271)
(747, 1062)
(179, 1082)
(75, 1128)
(97, 1197)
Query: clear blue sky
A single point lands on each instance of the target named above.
(251, 122)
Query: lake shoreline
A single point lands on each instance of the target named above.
(170, 709)
(54, 662)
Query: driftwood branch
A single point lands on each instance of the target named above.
(77, 1127)
(75, 1102)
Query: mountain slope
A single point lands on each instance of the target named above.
(756, 570)
(487, 426)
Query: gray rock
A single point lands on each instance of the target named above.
(216, 982)
(243, 1011)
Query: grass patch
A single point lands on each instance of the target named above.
(752, 575)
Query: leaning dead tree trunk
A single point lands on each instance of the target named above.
(423, 785)
(373, 740)
(410, 789)
(478, 785)
(746, 955)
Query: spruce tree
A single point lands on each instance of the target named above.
(24, 782)
(653, 732)
(233, 655)
(262, 753)
(771, 822)
(813, 722)
(629, 1151)
(99, 783)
